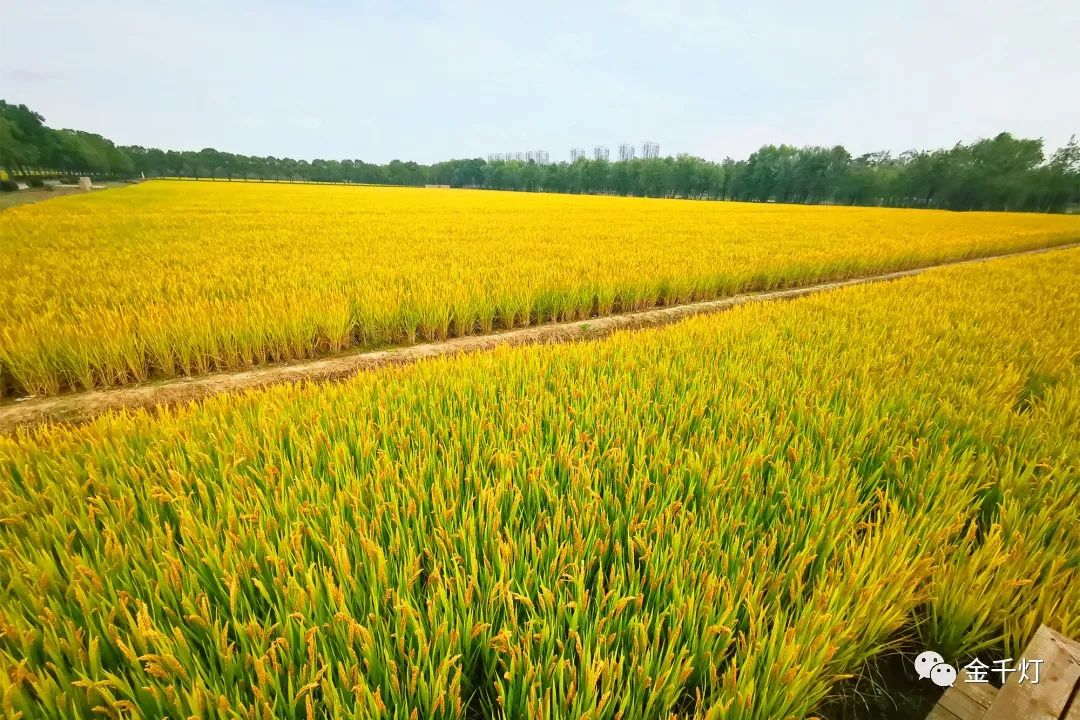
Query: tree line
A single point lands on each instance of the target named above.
(1000, 173)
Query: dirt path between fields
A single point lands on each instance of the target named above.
(33, 195)
(84, 406)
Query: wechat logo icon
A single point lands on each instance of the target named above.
(931, 666)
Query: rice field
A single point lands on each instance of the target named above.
(169, 279)
(724, 518)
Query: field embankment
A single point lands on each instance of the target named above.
(83, 406)
(721, 518)
(172, 279)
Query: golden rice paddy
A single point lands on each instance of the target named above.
(169, 278)
(719, 519)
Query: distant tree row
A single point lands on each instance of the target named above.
(1002, 173)
(25, 142)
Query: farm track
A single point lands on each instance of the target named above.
(84, 406)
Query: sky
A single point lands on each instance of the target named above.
(429, 81)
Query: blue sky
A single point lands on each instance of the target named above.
(433, 80)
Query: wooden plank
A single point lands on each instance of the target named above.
(1059, 675)
(1074, 710)
(1073, 647)
(1070, 646)
(940, 713)
(964, 701)
(968, 703)
(982, 693)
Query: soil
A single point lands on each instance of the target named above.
(32, 195)
(886, 688)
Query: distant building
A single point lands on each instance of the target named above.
(601, 153)
(577, 154)
(626, 152)
(542, 157)
(650, 149)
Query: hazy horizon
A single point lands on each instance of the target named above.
(433, 81)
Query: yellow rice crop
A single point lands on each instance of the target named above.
(719, 519)
(171, 278)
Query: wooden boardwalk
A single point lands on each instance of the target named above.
(1055, 697)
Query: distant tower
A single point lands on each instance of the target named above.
(577, 154)
(530, 156)
(519, 156)
(626, 152)
(649, 149)
(542, 157)
(601, 153)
